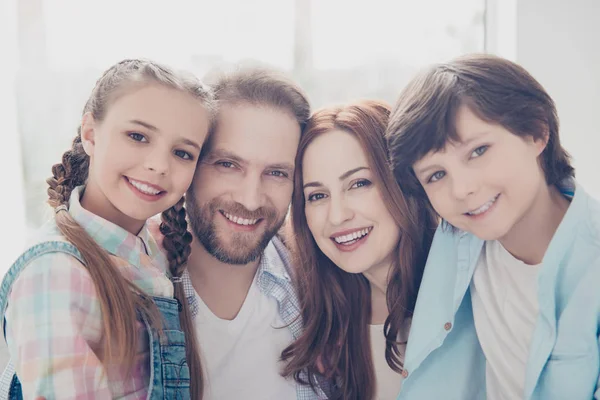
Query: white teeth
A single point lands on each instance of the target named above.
(484, 207)
(240, 220)
(144, 188)
(352, 237)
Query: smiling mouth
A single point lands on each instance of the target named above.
(351, 238)
(239, 220)
(145, 188)
(484, 207)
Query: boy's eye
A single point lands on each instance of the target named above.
(138, 137)
(183, 155)
(315, 197)
(436, 176)
(479, 151)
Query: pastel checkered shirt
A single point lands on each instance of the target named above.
(54, 322)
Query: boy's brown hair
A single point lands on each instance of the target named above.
(495, 89)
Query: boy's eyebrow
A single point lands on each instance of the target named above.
(421, 171)
(473, 138)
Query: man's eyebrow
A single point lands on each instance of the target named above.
(284, 166)
(220, 153)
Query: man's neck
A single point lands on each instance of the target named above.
(223, 287)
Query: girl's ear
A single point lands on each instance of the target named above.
(88, 126)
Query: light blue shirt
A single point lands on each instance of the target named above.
(443, 356)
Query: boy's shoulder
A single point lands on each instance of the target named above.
(592, 213)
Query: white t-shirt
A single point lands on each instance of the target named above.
(505, 308)
(241, 357)
(388, 381)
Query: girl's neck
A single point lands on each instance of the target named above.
(93, 200)
(530, 237)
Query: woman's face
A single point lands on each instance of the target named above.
(344, 208)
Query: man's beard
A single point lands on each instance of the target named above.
(242, 247)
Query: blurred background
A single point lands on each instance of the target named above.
(53, 51)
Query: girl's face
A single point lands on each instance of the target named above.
(487, 182)
(143, 154)
(344, 208)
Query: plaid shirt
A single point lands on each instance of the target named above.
(54, 322)
(274, 281)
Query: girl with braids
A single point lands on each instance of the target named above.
(89, 309)
(362, 247)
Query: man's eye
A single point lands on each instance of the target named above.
(225, 164)
(279, 174)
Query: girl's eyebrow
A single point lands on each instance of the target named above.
(144, 124)
(155, 129)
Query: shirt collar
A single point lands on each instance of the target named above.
(273, 263)
(111, 237)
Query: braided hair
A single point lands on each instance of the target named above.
(120, 299)
(176, 242)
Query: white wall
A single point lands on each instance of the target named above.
(558, 41)
(12, 201)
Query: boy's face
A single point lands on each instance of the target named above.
(487, 182)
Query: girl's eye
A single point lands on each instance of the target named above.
(315, 197)
(479, 151)
(360, 183)
(436, 176)
(138, 137)
(278, 174)
(183, 155)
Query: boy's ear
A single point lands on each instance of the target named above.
(88, 134)
(542, 141)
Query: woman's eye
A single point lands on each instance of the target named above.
(360, 183)
(138, 137)
(183, 155)
(315, 197)
(436, 176)
(479, 151)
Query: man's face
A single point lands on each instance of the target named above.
(243, 184)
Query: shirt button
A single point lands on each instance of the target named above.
(404, 373)
(447, 326)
